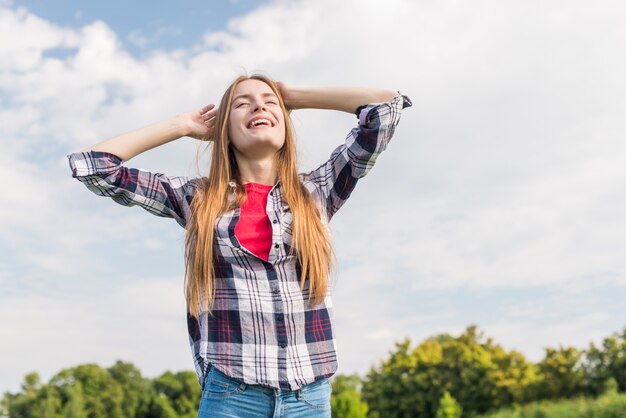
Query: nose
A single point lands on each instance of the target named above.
(258, 105)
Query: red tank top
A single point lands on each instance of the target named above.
(253, 229)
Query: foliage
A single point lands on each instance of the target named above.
(182, 392)
(448, 407)
(139, 392)
(346, 399)
(478, 373)
(607, 406)
(561, 374)
(606, 363)
(89, 391)
(440, 377)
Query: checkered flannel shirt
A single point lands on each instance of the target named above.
(263, 330)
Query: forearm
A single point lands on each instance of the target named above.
(346, 99)
(128, 145)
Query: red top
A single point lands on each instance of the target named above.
(254, 230)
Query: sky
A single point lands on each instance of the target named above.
(499, 202)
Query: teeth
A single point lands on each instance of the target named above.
(261, 122)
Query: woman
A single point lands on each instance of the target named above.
(257, 249)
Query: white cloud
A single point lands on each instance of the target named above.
(138, 39)
(138, 322)
(532, 340)
(30, 36)
(142, 41)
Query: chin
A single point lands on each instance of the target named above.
(260, 148)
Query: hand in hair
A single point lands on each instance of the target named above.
(286, 95)
(200, 124)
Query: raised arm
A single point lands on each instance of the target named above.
(378, 113)
(346, 99)
(197, 124)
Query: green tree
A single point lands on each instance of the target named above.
(22, 404)
(395, 389)
(606, 362)
(561, 374)
(34, 401)
(182, 391)
(48, 404)
(480, 374)
(346, 399)
(162, 408)
(117, 392)
(103, 396)
(448, 407)
(75, 405)
(139, 392)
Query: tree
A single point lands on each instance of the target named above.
(138, 391)
(182, 391)
(448, 407)
(478, 373)
(34, 401)
(561, 374)
(606, 362)
(346, 399)
(103, 396)
(75, 406)
(397, 389)
(162, 408)
(117, 392)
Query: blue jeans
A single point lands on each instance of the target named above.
(225, 397)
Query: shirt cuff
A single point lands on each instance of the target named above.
(406, 102)
(93, 162)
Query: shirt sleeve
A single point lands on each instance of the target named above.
(104, 174)
(337, 177)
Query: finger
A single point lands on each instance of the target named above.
(207, 108)
(209, 116)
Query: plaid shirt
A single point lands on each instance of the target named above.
(263, 331)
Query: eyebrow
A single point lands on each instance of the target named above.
(248, 96)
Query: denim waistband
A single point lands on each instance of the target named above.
(266, 389)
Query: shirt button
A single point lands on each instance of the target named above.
(274, 221)
(279, 317)
(276, 245)
(275, 291)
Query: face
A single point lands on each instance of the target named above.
(256, 124)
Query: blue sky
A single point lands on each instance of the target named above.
(143, 26)
(499, 202)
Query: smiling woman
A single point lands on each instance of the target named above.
(257, 249)
(257, 128)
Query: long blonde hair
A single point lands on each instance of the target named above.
(310, 237)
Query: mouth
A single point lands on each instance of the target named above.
(259, 123)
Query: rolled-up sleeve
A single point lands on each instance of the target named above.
(336, 178)
(104, 174)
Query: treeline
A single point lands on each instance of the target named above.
(90, 391)
(480, 376)
(609, 405)
(442, 377)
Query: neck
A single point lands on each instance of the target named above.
(262, 171)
